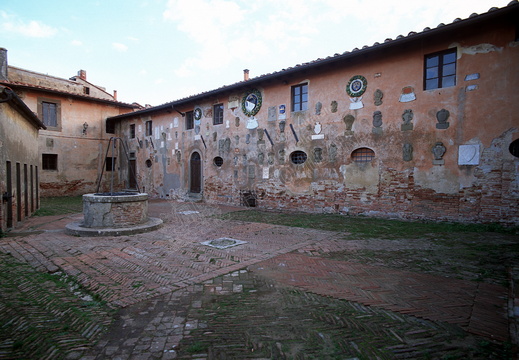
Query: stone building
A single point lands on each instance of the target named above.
(19, 159)
(73, 145)
(424, 126)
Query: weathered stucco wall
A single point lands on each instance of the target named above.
(19, 151)
(81, 150)
(404, 179)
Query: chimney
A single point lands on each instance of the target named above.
(115, 95)
(3, 64)
(82, 74)
(246, 75)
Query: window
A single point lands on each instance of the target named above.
(440, 70)
(300, 97)
(190, 124)
(514, 148)
(49, 112)
(218, 114)
(49, 161)
(149, 128)
(110, 126)
(218, 161)
(132, 131)
(86, 90)
(298, 157)
(362, 155)
(110, 163)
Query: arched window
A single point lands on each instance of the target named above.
(362, 155)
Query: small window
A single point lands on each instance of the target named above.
(362, 155)
(190, 123)
(86, 90)
(218, 161)
(298, 157)
(148, 163)
(440, 70)
(110, 163)
(149, 128)
(514, 148)
(49, 161)
(110, 126)
(132, 131)
(49, 113)
(300, 97)
(218, 114)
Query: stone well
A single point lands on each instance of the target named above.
(112, 214)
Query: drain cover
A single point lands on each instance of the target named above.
(223, 243)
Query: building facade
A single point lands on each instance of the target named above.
(73, 147)
(19, 159)
(424, 126)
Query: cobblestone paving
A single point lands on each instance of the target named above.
(177, 298)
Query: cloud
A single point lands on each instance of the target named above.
(119, 47)
(76, 43)
(33, 28)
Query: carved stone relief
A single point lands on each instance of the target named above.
(318, 108)
(348, 121)
(270, 159)
(261, 158)
(237, 121)
(377, 119)
(438, 151)
(442, 116)
(377, 97)
(334, 106)
(318, 155)
(407, 117)
(332, 152)
(407, 152)
(281, 155)
(272, 113)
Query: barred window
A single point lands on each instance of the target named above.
(298, 157)
(361, 155)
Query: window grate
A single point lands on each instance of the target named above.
(362, 155)
(298, 157)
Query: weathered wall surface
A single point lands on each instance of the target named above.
(473, 177)
(19, 151)
(81, 148)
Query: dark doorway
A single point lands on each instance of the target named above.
(9, 194)
(195, 171)
(132, 170)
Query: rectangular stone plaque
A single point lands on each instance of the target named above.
(468, 155)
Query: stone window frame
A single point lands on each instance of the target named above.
(299, 101)
(49, 162)
(218, 114)
(40, 110)
(190, 120)
(441, 67)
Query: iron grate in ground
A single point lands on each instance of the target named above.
(223, 243)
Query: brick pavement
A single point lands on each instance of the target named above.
(127, 270)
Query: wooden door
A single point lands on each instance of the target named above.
(195, 171)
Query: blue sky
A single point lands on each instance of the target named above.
(155, 51)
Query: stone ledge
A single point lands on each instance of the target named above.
(75, 229)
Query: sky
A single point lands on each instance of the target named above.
(157, 51)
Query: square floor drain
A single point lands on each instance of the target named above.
(223, 243)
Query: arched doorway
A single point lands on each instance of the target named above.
(195, 173)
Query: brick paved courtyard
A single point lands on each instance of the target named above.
(165, 286)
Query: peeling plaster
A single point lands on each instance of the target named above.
(476, 49)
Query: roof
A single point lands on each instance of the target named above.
(442, 28)
(9, 96)
(21, 85)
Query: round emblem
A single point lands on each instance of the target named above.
(357, 86)
(251, 102)
(198, 114)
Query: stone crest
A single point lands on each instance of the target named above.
(438, 151)
(442, 116)
(377, 97)
(407, 117)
